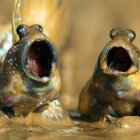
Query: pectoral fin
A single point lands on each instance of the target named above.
(98, 111)
(50, 114)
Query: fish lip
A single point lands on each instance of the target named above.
(103, 60)
(25, 52)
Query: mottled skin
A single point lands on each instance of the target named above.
(29, 83)
(115, 85)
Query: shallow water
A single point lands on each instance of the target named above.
(126, 128)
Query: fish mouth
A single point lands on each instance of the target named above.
(120, 60)
(39, 59)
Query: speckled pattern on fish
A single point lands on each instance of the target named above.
(29, 75)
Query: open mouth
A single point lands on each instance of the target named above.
(40, 58)
(119, 59)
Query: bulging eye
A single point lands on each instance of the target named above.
(114, 32)
(131, 34)
(38, 27)
(21, 30)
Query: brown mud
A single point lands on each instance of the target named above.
(127, 128)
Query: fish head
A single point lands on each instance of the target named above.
(39, 60)
(38, 54)
(120, 56)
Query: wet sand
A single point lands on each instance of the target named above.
(127, 128)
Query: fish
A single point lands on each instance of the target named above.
(114, 88)
(29, 76)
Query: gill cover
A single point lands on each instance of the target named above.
(120, 56)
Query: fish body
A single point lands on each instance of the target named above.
(114, 87)
(29, 74)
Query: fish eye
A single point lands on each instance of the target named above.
(38, 27)
(131, 34)
(21, 30)
(114, 32)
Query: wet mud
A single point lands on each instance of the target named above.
(126, 128)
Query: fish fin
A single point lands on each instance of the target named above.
(55, 111)
(98, 111)
(84, 101)
(3, 116)
(51, 114)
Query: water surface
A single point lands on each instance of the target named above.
(127, 128)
